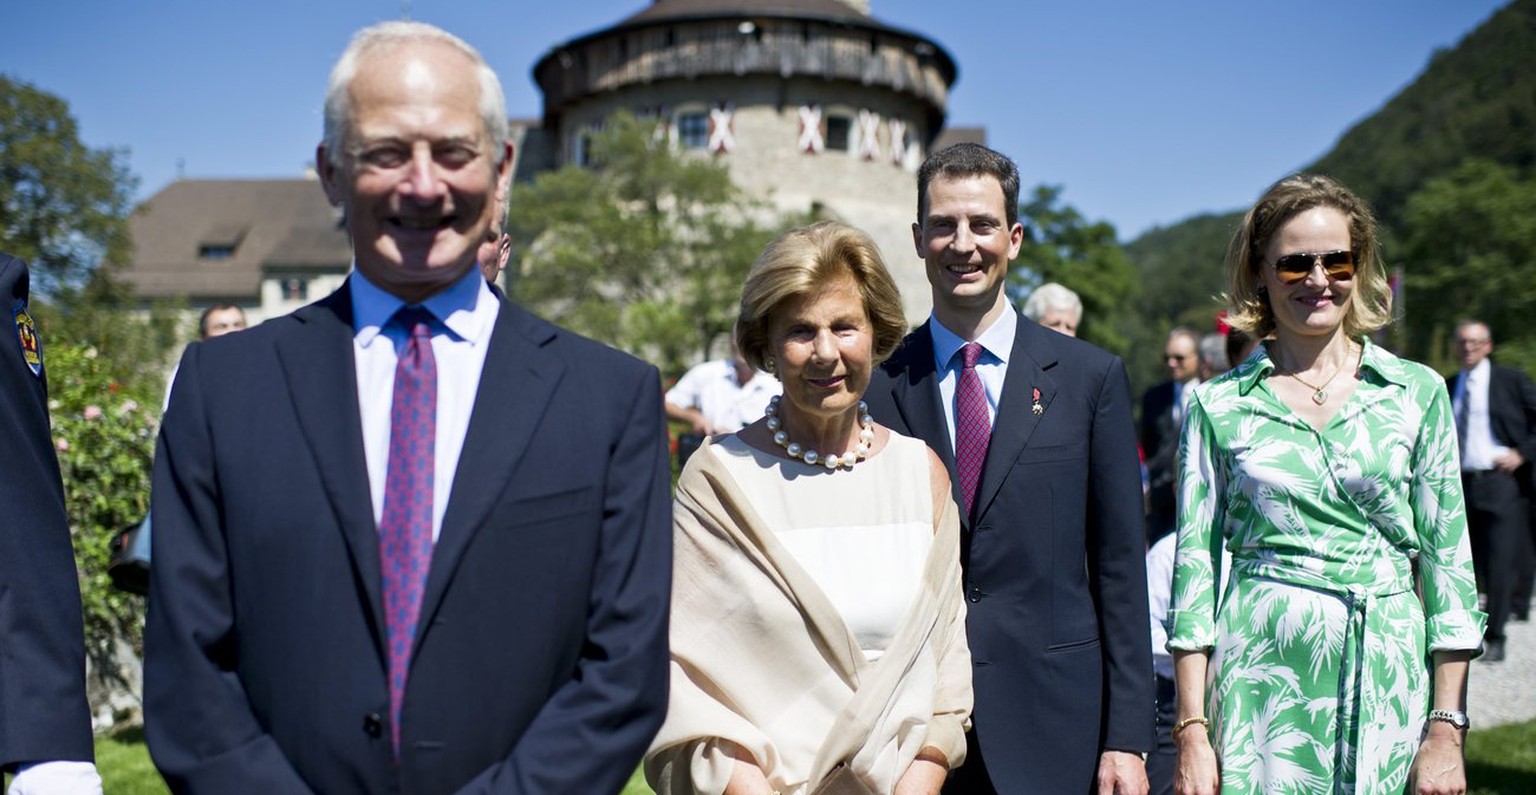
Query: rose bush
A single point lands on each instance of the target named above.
(104, 433)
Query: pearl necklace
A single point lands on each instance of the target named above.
(830, 461)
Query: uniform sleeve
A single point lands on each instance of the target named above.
(1440, 523)
(1192, 612)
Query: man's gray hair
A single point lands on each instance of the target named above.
(1213, 351)
(338, 98)
(1050, 296)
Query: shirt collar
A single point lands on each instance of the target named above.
(467, 308)
(1373, 359)
(996, 341)
(1479, 371)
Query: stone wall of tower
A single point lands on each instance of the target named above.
(872, 190)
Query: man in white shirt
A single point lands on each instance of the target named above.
(1495, 412)
(721, 396)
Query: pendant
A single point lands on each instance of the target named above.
(1320, 397)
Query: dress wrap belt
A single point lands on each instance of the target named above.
(1360, 600)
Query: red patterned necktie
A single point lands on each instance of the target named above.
(405, 531)
(973, 426)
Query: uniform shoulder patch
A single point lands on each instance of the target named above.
(26, 332)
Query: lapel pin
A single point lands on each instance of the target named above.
(1037, 408)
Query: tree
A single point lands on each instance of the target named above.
(1061, 246)
(1469, 250)
(646, 250)
(63, 205)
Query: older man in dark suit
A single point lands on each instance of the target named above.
(409, 538)
(1036, 429)
(1162, 413)
(1495, 409)
(45, 725)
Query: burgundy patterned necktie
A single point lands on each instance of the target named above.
(405, 531)
(973, 426)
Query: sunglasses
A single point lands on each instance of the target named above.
(1338, 265)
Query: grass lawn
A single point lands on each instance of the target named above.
(126, 770)
(1500, 761)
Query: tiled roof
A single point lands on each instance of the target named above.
(214, 238)
(693, 9)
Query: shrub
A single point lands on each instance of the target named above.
(104, 433)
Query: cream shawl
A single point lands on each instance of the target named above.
(759, 652)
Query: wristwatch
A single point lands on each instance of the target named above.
(1455, 717)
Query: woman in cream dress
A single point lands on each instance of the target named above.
(818, 629)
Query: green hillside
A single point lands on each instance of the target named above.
(1475, 101)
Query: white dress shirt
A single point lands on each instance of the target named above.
(712, 389)
(996, 343)
(466, 314)
(1159, 591)
(1480, 447)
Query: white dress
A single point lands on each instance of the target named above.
(862, 534)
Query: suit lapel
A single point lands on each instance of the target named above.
(515, 388)
(915, 391)
(321, 374)
(1016, 419)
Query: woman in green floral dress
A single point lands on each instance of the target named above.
(1328, 467)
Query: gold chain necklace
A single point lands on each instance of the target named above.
(1320, 393)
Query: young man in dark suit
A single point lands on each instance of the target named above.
(45, 723)
(1495, 409)
(1036, 429)
(409, 538)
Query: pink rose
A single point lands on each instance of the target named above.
(62, 444)
(92, 412)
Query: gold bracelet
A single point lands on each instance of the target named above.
(1187, 722)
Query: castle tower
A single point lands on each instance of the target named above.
(810, 104)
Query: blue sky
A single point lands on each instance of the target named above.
(1146, 112)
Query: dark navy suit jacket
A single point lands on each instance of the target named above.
(540, 663)
(1053, 552)
(43, 712)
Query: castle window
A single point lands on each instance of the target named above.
(295, 289)
(693, 130)
(839, 133)
(215, 251)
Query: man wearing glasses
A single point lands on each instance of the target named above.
(1162, 412)
(1495, 409)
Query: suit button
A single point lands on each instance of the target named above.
(975, 594)
(373, 724)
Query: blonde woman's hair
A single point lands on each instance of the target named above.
(1370, 302)
(801, 262)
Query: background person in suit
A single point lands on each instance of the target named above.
(45, 723)
(1162, 411)
(1495, 410)
(409, 538)
(1036, 430)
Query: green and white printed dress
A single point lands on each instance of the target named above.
(1320, 674)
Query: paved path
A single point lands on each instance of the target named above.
(1505, 692)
